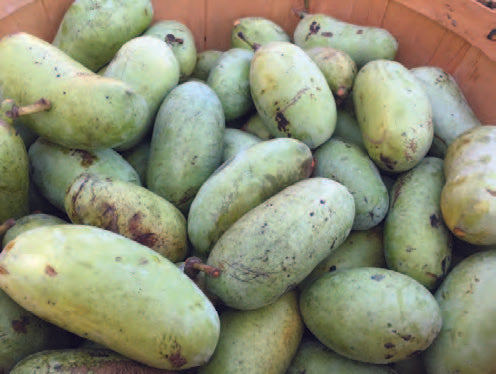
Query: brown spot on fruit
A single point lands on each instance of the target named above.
(435, 220)
(177, 360)
(389, 345)
(388, 162)
(171, 39)
(75, 196)
(332, 268)
(359, 32)
(20, 325)
(314, 28)
(137, 232)
(377, 277)
(3, 271)
(327, 34)
(109, 218)
(143, 261)
(87, 158)
(50, 271)
(282, 122)
(149, 239)
(432, 275)
(491, 192)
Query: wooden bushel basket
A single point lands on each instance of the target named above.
(456, 35)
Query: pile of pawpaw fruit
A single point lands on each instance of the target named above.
(295, 204)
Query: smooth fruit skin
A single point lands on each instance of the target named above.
(53, 168)
(416, 239)
(451, 112)
(468, 198)
(274, 246)
(371, 314)
(394, 115)
(362, 43)
(110, 289)
(248, 32)
(130, 210)
(87, 111)
(236, 140)
(466, 343)
(243, 182)
(291, 94)
(258, 341)
(91, 32)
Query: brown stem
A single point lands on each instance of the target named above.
(253, 45)
(7, 225)
(39, 106)
(300, 13)
(193, 265)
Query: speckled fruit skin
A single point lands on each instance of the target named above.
(91, 33)
(394, 115)
(87, 111)
(416, 239)
(468, 199)
(466, 343)
(261, 341)
(112, 290)
(274, 246)
(291, 94)
(371, 315)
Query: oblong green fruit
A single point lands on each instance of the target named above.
(468, 198)
(138, 158)
(466, 343)
(91, 32)
(180, 38)
(416, 240)
(258, 341)
(230, 79)
(360, 249)
(394, 115)
(186, 144)
(205, 61)
(274, 246)
(313, 357)
(53, 168)
(291, 94)
(362, 43)
(29, 222)
(23, 334)
(349, 165)
(236, 140)
(87, 111)
(82, 360)
(130, 210)
(110, 289)
(371, 314)
(451, 112)
(256, 126)
(347, 128)
(249, 32)
(338, 68)
(231, 191)
(14, 181)
(150, 67)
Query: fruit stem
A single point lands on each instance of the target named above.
(39, 106)
(193, 265)
(7, 225)
(253, 46)
(300, 13)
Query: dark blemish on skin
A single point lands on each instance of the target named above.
(312, 214)
(432, 275)
(377, 277)
(143, 261)
(87, 158)
(359, 32)
(435, 220)
(109, 218)
(81, 185)
(387, 357)
(171, 39)
(491, 192)
(20, 325)
(135, 228)
(332, 268)
(388, 162)
(322, 201)
(177, 360)
(118, 259)
(50, 271)
(282, 122)
(444, 264)
(327, 34)
(314, 28)
(409, 249)
(389, 345)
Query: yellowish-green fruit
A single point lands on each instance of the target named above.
(468, 199)
(291, 94)
(53, 168)
(110, 289)
(150, 67)
(261, 341)
(182, 42)
(416, 240)
(451, 112)
(130, 210)
(371, 314)
(275, 245)
(87, 111)
(466, 343)
(91, 32)
(242, 183)
(138, 158)
(362, 43)
(256, 126)
(394, 115)
(250, 32)
(347, 128)
(29, 222)
(205, 61)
